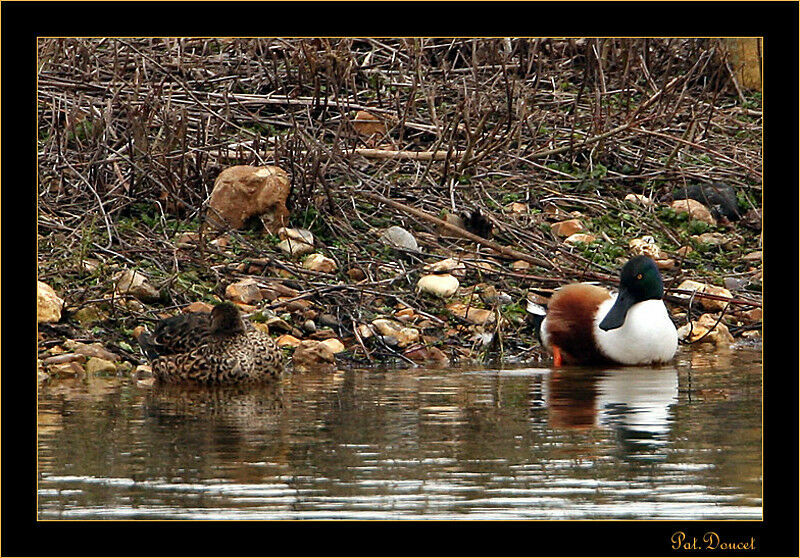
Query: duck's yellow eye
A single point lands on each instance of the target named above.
(638, 275)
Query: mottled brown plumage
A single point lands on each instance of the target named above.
(216, 348)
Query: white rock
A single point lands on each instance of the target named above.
(300, 235)
(639, 198)
(442, 286)
(295, 248)
(398, 237)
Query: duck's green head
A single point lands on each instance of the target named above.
(226, 319)
(639, 280)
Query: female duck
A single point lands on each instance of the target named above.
(586, 324)
(216, 348)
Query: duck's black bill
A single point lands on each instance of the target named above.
(616, 316)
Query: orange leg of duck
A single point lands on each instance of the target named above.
(557, 360)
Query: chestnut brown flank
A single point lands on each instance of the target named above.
(570, 320)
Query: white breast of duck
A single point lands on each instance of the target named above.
(647, 335)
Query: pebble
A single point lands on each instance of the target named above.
(566, 228)
(695, 209)
(318, 262)
(442, 286)
(245, 291)
(398, 237)
(473, 315)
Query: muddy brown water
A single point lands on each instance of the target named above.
(518, 442)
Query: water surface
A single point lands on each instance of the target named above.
(676, 442)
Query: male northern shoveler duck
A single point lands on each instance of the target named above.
(219, 347)
(586, 324)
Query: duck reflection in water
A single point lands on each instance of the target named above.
(634, 402)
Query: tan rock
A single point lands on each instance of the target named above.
(287, 340)
(473, 315)
(520, 265)
(89, 315)
(334, 345)
(356, 274)
(276, 324)
(442, 286)
(454, 266)
(645, 246)
(90, 350)
(684, 251)
(299, 235)
(566, 228)
(295, 248)
(245, 308)
(312, 354)
(365, 331)
(241, 192)
(713, 238)
(245, 291)
(197, 306)
(186, 240)
(579, 237)
(750, 316)
(484, 267)
(134, 283)
(665, 264)
(100, 366)
(695, 209)
(405, 314)
(390, 328)
(516, 207)
(369, 124)
(318, 262)
(48, 304)
(429, 353)
(66, 369)
(294, 305)
(719, 333)
(708, 304)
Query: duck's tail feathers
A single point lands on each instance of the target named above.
(536, 315)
